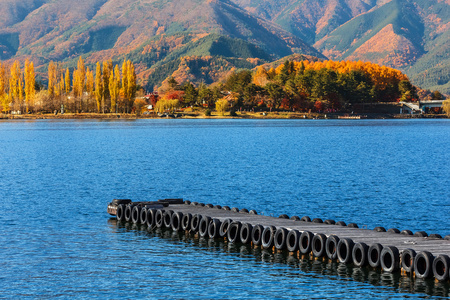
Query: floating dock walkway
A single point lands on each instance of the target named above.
(416, 254)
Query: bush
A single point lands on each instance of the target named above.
(222, 106)
(208, 112)
(233, 113)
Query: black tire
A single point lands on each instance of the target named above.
(217, 206)
(203, 226)
(128, 212)
(279, 239)
(168, 218)
(374, 255)
(379, 229)
(295, 218)
(318, 245)
(406, 232)
(421, 234)
(214, 228)
(246, 233)
(423, 264)
(144, 215)
(244, 211)
(195, 222)
(159, 218)
(176, 221)
(407, 260)
(186, 221)
(305, 219)
(393, 230)
(267, 237)
(435, 236)
(235, 209)
(209, 205)
(224, 227)
(120, 212)
(151, 217)
(257, 235)
(317, 220)
(352, 225)
(292, 240)
(329, 222)
(441, 265)
(253, 212)
(283, 216)
(305, 241)
(390, 259)
(136, 214)
(359, 254)
(226, 208)
(121, 201)
(233, 233)
(331, 246)
(344, 250)
(341, 223)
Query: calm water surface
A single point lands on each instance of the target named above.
(56, 178)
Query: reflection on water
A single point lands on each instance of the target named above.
(306, 264)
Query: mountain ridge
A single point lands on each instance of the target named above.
(411, 35)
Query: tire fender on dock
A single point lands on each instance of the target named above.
(344, 250)
(423, 264)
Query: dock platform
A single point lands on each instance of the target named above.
(419, 255)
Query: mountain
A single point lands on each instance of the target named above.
(62, 29)
(411, 35)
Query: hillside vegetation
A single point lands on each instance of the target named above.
(411, 35)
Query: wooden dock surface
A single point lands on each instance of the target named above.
(435, 246)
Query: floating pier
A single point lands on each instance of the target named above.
(416, 254)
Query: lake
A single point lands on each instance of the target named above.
(56, 178)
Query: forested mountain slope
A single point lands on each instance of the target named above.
(412, 35)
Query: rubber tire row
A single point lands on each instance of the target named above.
(424, 264)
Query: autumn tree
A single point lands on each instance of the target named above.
(67, 81)
(4, 97)
(436, 95)
(446, 107)
(15, 84)
(222, 106)
(107, 72)
(30, 82)
(114, 87)
(99, 84)
(90, 88)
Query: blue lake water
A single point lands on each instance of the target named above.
(56, 178)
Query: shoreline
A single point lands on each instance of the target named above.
(239, 115)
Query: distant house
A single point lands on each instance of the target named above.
(409, 108)
(431, 106)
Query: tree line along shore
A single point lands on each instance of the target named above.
(300, 87)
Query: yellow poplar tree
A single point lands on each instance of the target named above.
(131, 81)
(99, 85)
(51, 79)
(107, 72)
(114, 87)
(4, 99)
(67, 81)
(30, 81)
(15, 82)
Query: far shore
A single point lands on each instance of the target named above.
(202, 115)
